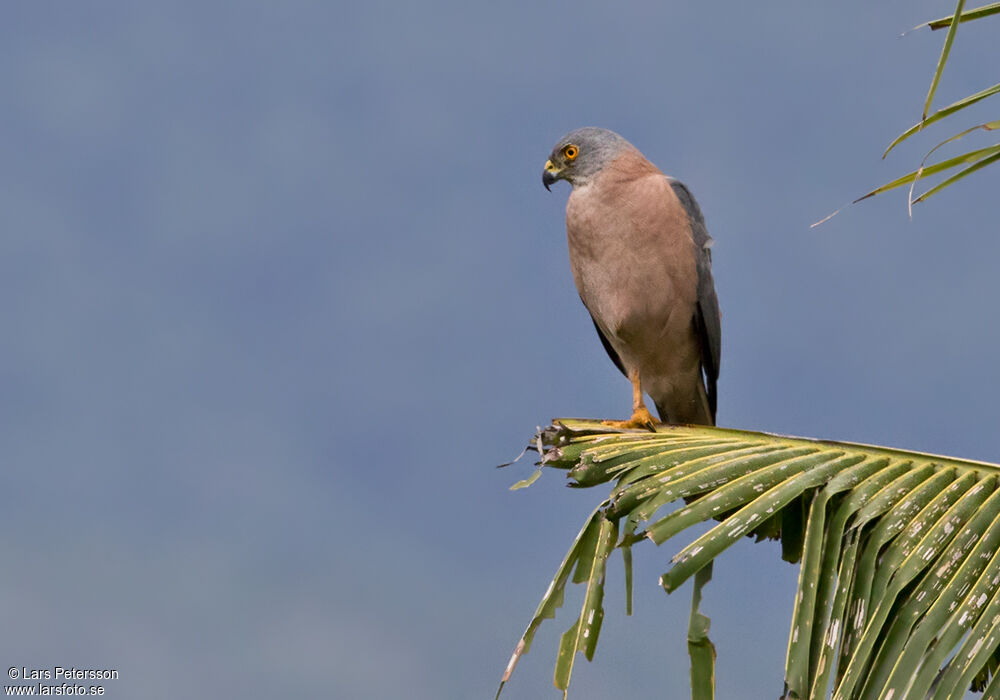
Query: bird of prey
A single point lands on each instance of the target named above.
(641, 260)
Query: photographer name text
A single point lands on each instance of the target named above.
(60, 673)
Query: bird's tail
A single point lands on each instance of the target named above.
(694, 411)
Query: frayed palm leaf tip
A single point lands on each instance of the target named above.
(899, 552)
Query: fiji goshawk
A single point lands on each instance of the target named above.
(641, 260)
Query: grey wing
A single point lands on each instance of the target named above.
(707, 316)
(607, 346)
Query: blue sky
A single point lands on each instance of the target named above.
(281, 285)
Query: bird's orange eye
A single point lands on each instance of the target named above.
(571, 152)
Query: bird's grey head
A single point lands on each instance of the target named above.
(581, 154)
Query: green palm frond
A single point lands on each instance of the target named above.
(899, 552)
(970, 158)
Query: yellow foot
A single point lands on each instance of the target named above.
(641, 418)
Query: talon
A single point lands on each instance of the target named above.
(641, 418)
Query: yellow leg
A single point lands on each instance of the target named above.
(641, 417)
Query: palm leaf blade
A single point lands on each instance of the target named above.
(886, 530)
(582, 636)
(895, 547)
(956, 568)
(700, 647)
(942, 113)
(959, 175)
(956, 19)
(727, 533)
(905, 560)
(552, 600)
(976, 13)
(797, 663)
(730, 495)
(970, 157)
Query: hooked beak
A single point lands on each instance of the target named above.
(550, 174)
